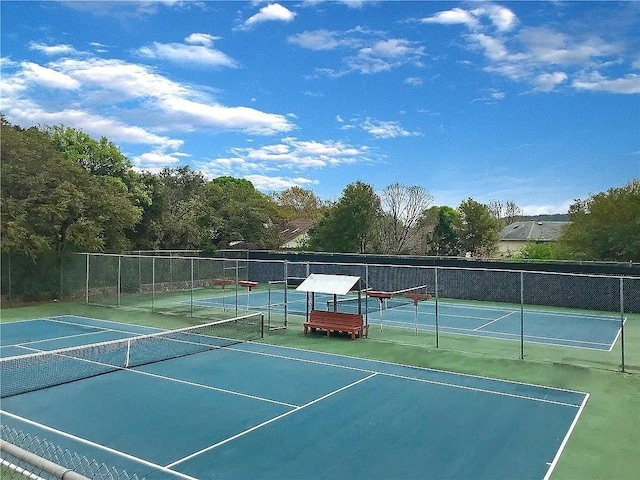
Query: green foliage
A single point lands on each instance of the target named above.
(347, 226)
(242, 214)
(444, 240)
(296, 202)
(51, 202)
(538, 251)
(606, 226)
(478, 229)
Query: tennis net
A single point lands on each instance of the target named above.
(370, 304)
(35, 371)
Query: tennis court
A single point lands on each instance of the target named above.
(252, 410)
(561, 327)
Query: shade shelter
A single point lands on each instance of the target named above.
(334, 285)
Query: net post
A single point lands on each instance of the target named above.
(522, 315)
(622, 367)
(127, 356)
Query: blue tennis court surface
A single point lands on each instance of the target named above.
(546, 326)
(261, 411)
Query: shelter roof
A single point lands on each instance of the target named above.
(331, 284)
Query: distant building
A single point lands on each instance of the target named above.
(294, 234)
(516, 235)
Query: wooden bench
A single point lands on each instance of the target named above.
(351, 323)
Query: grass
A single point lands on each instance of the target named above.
(604, 443)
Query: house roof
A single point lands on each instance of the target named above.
(532, 231)
(294, 229)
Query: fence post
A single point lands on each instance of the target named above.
(436, 295)
(521, 315)
(119, 277)
(86, 292)
(192, 286)
(286, 288)
(153, 283)
(622, 321)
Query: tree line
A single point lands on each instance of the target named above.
(63, 190)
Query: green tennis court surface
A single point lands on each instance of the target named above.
(561, 327)
(258, 411)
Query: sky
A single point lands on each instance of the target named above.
(536, 103)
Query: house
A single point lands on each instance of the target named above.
(294, 234)
(515, 236)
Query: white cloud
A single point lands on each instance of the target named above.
(215, 115)
(501, 17)
(562, 207)
(413, 81)
(115, 81)
(155, 160)
(52, 50)
(187, 54)
(384, 130)
(201, 39)
(272, 12)
(628, 84)
(455, 16)
(292, 153)
(266, 183)
(32, 73)
(546, 82)
(316, 40)
(385, 55)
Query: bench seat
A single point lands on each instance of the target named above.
(350, 323)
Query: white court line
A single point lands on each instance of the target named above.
(566, 438)
(383, 362)
(494, 321)
(53, 339)
(98, 446)
(115, 368)
(260, 425)
(421, 380)
(552, 341)
(210, 387)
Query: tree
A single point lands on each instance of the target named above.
(403, 207)
(348, 225)
(242, 213)
(444, 240)
(505, 213)
(478, 230)
(51, 202)
(606, 226)
(296, 202)
(180, 214)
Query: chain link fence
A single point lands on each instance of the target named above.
(571, 318)
(24, 456)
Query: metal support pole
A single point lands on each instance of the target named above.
(521, 315)
(622, 323)
(86, 294)
(153, 282)
(436, 295)
(191, 286)
(286, 287)
(119, 277)
(366, 299)
(237, 280)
